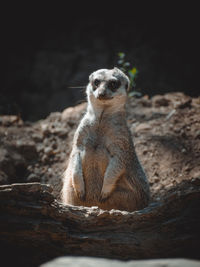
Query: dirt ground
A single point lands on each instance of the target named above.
(165, 129)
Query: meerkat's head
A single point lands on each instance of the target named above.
(108, 87)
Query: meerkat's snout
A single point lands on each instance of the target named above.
(102, 94)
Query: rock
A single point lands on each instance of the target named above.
(6, 164)
(8, 120)
(99, 262)
(3, 178)
(12, 164)
(44, 158)
(142, 127)
(196, 181)
(37, 137)
(145, 102)
(160, 100)
(45, 129)
(49, 151)
(27, 149)
(185, 104)
(197, 135)
(33, 178)
(53, 128)
(73, 113)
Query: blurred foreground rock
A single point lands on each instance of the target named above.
(88, 262)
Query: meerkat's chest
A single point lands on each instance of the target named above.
(95, 141)
(95, 156)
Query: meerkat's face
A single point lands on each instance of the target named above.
(108, 86)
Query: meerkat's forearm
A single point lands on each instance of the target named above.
(77, 176)
(113, 172)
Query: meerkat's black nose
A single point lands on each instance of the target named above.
(101, 94)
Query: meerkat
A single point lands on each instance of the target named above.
(103, 168)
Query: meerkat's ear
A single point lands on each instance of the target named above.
(127, 81)
(116, 69)
(91, 76)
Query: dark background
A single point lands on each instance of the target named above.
(47, 49)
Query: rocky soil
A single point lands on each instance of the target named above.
(166, 133)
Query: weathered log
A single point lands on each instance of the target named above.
(35, 226)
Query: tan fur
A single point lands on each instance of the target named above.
(103, 168)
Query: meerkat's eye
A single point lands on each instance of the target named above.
(113, 85)
(97, 82)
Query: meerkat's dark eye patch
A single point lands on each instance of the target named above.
(96, 82)
(113, 85)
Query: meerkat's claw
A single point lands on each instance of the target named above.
(104, 196)
(80, 195)
(106, 191)
(103, 199)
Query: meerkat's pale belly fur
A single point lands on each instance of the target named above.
(98, 142)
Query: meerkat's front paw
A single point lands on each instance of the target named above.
(105, 193)
(103, 198)
(78, 185)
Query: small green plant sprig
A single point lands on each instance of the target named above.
(131, 72)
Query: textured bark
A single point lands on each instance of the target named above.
(33, 224)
